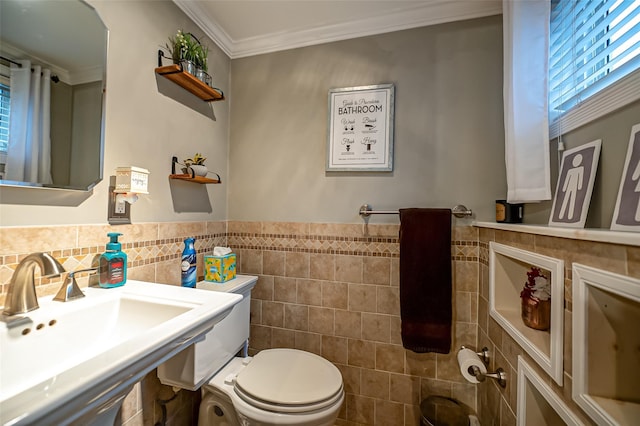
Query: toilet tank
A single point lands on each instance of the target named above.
(195, 365)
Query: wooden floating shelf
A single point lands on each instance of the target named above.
(190, 83)
(197, 179)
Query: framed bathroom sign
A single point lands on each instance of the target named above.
(626, 216)
(575, 185)
(360, 133)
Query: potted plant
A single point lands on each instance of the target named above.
(536, 300)
(195, 166)
(184, 48)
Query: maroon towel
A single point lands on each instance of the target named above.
(425, 279)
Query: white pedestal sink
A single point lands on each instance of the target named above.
(76, 361)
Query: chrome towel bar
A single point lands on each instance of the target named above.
(458, 211)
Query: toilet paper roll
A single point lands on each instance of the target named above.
(467, 359)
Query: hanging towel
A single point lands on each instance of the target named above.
(425, 279)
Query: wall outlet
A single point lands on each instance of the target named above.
(118, 213)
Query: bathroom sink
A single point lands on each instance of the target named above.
(63, 361)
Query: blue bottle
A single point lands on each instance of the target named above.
(113, 264)
(188, 264)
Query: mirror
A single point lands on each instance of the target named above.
(70, 39)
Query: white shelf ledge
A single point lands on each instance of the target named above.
(508, 267)
(600, 235)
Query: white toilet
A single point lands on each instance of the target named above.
(275, 387)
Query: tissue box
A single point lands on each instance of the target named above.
(220, 269)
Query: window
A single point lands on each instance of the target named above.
(4, 116)
(4, 124)
(593, 44)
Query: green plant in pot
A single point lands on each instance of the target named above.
(195, 166)
(184, 49)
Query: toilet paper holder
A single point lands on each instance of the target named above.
(499, 375)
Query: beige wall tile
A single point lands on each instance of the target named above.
(322, 320)
(310, 342)
(362, 354)
(142, 273)
(336, 229)
(349, 269)
(405, 389)
(97, 235)
(250, 262)
(25, 240)
(285, 289)
(465, 276)
(389, 413)
(322, 266)
(362, 298)
(297, 265)
(377, 270)
(376, 327)
(256, 311)
(335, 295)
(464, 233)
(273, 313)
(264, 288)
(335, 349)
(273, 262)
(219, 227)
(350, 377)
(282, 338)
(430, 387)
(360, 409)
(169, 272)
(462, 303)
(309, 292)
(285, 228)
(420, 364)
(387, 300)
(389, 358)
(260, 337)
(244, 227)
(633, 261)
(375, 384)
(381, 230)
(348, 324)
(296, 317)
(181, 229)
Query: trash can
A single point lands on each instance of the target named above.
(442, 411)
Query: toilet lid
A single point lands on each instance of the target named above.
(289, 377)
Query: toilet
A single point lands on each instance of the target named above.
(274, 387)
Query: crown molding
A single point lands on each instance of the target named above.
(424, 14)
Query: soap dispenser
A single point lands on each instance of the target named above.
(113, 263)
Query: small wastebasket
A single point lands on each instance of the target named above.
(442, 411)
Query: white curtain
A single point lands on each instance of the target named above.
(526, 51)
(29, 151)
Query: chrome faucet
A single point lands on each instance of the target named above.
(21, 296)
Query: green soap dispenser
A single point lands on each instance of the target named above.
(113, 263)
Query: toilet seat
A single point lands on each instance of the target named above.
(304, 382)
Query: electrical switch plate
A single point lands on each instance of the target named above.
(118, 216)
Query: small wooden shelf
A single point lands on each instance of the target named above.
(190, 83)
(197, 179)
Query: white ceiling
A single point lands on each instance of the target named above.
(252, 27)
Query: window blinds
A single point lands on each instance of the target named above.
(4, 116)
(593, 44)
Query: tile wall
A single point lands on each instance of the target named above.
(331, 289)
(498, 406)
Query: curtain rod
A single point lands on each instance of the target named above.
(54, 77)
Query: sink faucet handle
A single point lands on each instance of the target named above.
(70, 289)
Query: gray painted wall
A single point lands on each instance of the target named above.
(449, 136)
